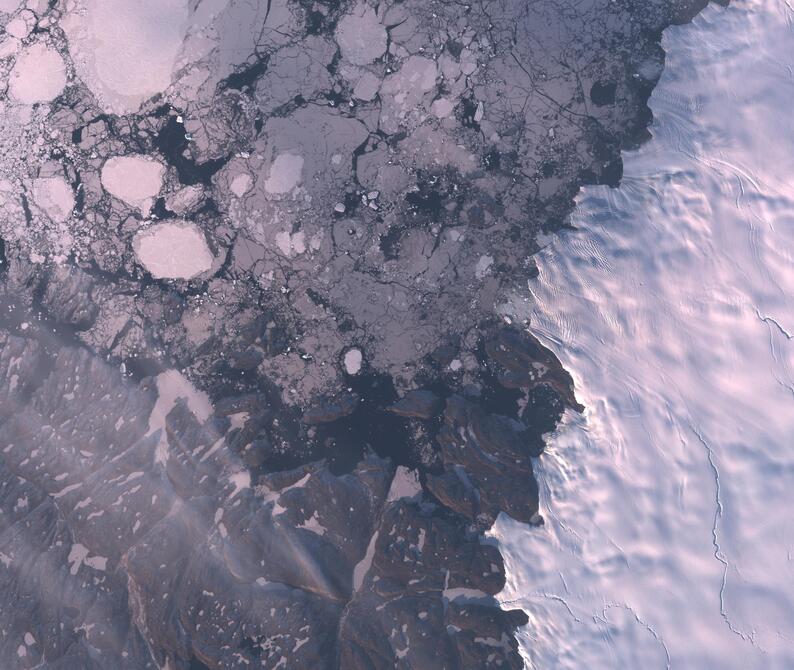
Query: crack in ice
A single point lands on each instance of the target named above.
(772, 321)
(715, 541)
(640, 621)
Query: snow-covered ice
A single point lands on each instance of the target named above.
(361, 36)
(54, 196)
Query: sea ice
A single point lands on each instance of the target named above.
(173, 250)
(361, 36)
(39, 75)
(133, 179)
(353, 359)
(54, 196)
(285, 174)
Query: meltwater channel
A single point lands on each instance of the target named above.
(669, 506)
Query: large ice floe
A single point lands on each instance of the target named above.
(173, 250)
(668, 535)
(134, 180)
(39, 75)
(125, 51)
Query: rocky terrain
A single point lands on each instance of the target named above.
(259, 402)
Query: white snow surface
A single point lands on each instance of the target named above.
(668, 506)
(172, 385)
(404, 485)
(9, 6)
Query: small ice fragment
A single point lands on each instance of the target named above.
(353, 360)
(442, 108)
(361, 36)
(241, 184)
(482, 267)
